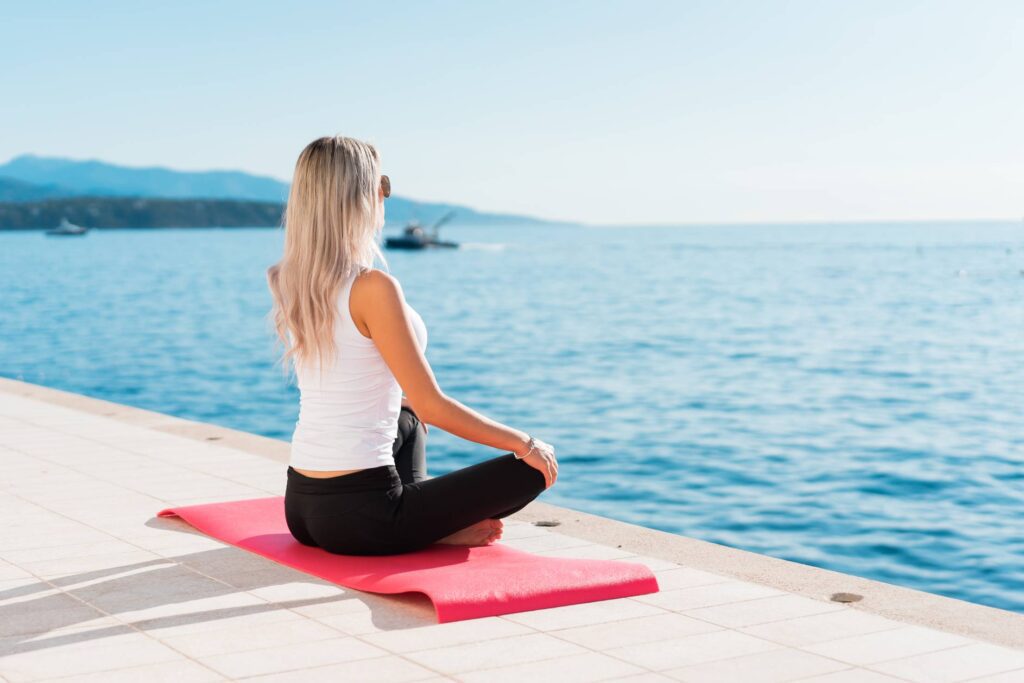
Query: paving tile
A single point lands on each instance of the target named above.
(762, 610)
(513, 529)
(243, 637)
(680, 599)
(290, 657)
(227, 562)
(1015, 676)
(493, 653)
(89, 563)
(13, 591)
(402, 611)
(47, 611)
(106, 546)
(92, 628)
(290, 589)
(210, 608)
(954, 664)
(183, 671)
(61, 484)
(771, 666)
(214, 497)
(267, 486)
(49, 530)
(110, 525)
(648, 677)
(589, 666)
(248, 615)
(406, 640)
(820, 627)
(389, 669)
(364, 623)
(163, 584)
(583, 613)
(685, 577)
(663, 626)
(890, 644)
(546, 541)
(171, 543)
(72, 581)
(852, 675)
(180, 493)
(593, 551)
(123, 507)
(694, 649)
(44, 612)
(653, 563)
(87, 496)
(82, 656)
(8, 571)
(352, 601)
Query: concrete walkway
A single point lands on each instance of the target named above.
(93, 586)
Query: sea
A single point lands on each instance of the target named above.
(848, 396)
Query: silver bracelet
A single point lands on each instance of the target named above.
(532, 445)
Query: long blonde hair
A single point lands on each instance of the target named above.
(331, 231)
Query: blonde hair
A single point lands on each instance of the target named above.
(331, 230)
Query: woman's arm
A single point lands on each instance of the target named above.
(378, 300)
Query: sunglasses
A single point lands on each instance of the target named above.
(385, 185)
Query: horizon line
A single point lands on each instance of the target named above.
(711, 223)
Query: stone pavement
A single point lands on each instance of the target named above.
(93, 586)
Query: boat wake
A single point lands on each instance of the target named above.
(484, 246)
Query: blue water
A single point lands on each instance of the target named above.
(846, 396)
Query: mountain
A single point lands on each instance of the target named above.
(139, 212)
(12, 190)
(31, 178)
(98, 178)
(158, 212)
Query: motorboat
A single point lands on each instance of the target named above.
(415, 237)
(67, 228)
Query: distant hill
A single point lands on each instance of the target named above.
(139, 212)
(150, 212)
(12, 190)
(60, 182)
(98, 178)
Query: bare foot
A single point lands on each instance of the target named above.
(481, 533)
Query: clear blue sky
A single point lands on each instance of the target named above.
(609, 112)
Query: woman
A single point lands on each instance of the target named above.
(357, 481)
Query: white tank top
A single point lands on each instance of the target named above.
(349, 419)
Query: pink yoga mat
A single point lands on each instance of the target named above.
(463, 582)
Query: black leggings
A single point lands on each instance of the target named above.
(394, 509)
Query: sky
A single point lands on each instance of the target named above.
(633, 112)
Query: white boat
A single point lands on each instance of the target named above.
(415, 237)
(67, 228)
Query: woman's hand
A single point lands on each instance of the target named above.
(542, 458)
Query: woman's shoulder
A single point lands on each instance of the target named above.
(376, 283)
(374, 290)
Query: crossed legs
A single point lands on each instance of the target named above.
(438, 506)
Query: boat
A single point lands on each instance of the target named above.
(67, 228)
(415, 237)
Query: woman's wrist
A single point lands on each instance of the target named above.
(526, 445)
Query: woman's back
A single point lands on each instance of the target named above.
(348, 416)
